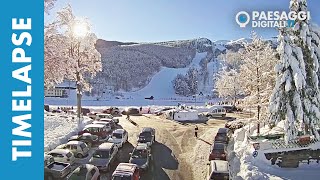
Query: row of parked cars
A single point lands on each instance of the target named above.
(106, 139)
(218, 164)
(103, 130)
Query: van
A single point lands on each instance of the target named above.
(217, 112)
(218, 170)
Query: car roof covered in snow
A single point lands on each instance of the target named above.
(100, 122)
(147, 129)
(106, 145)
(142, 146)
(125, 168)
(59, 151)
(219, 166)
(103, 114)
(94, 126)
(75, 142)
(105, 119)
(119, 131)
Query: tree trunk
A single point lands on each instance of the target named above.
(79, 90)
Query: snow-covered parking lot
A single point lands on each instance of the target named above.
(177, 153)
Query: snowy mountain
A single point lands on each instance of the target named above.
(143, 69)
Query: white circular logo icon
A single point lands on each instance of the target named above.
(242, 18)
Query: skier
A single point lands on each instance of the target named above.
(196, 131)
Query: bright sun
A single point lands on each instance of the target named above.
(80, 29)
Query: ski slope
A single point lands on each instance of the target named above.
(160, 85)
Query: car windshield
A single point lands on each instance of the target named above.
(218, 176)
(79, 174)
(218, 146)
(101, 154)
(83, 146)
(122, 177)
(116, 135)
(139, 154)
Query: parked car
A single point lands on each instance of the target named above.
(222, 135)
(218, 151)
(99, 130)
(62, 155)
(78, 148)
(106, 123)
(104, 156)
(126, 171)
(217, 112)
(131, 111)
(85, 172)
(230, 108)
(88, 138)
(147, 135)
(218, 170)
(92, 115)
(113, 111)
(55, 170)
(106, 116)
(119, 137)
(112, 123)
(141, 156)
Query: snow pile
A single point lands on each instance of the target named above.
(58, 128)
(243, 165)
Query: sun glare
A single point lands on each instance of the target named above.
(80, 29)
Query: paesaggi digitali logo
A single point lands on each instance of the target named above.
(270, 19)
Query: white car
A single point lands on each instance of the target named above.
(106, 116)
(85, 172)
(119, 137)
(218, 169)
(78, 148)
(62, 155)
(107, 124)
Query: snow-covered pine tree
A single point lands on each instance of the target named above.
(295, 98)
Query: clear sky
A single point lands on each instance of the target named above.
(161, 20)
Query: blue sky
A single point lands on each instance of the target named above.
(161, 20)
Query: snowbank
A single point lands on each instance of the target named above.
(58, 128)
(245, 166)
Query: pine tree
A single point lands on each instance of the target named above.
(296, 97)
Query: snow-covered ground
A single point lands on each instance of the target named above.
(59, 127)
(245, 166)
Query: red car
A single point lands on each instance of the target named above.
(218, 152)
(99, 130)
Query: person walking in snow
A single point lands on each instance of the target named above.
(128, 117)
(196, 131)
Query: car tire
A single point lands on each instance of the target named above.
(79, 155)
